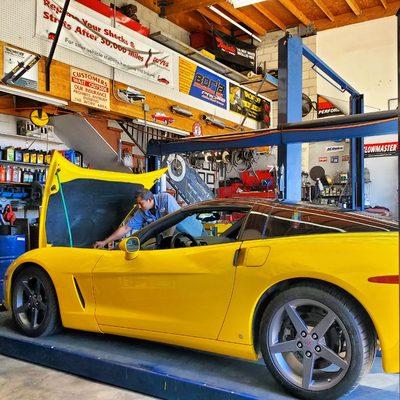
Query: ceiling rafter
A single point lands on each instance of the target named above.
(367, 15)
(218, 21)
(295, 11)
(354, 7)
(243, 18)
(324, 8)
(273, 18)
(188, 5)
(384, 4)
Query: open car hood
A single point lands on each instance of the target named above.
(93, 203)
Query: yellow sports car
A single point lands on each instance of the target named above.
(308, 290)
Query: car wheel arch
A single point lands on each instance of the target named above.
(277, 288)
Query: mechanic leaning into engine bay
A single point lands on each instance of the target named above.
(151, 208)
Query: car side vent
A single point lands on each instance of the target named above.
(78, 290)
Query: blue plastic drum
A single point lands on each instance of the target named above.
(11, 247)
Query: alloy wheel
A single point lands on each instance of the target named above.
(31, 302)
(309, 345)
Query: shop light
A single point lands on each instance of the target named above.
(243, 3)
(33, 96)
(233, 22)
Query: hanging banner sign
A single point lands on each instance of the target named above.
(241, 55)
(90, 89)
(326, 109)
(84, 34)
(244, 102)
(387, 149)
(20, 68)
(202, 84)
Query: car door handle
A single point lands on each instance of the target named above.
(236, 257)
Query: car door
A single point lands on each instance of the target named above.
(183, 291)
(81, 206)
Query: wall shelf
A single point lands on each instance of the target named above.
(15, 184)
(31, 138)
(24, 164)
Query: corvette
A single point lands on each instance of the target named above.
(312, 292)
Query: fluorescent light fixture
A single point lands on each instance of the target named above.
(243, 3)
(33, 96)
(221, 14)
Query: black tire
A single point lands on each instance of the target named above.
(30, 298)
(359, 353)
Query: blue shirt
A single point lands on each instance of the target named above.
(165, 204)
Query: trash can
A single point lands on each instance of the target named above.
(11, 247)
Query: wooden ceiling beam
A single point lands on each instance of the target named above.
(296, 12)
(367, 15)
(242, 17)
(354, 7)
(273, 18)
(384, 4)
(205, 12)
(323, 7)
(188, 5)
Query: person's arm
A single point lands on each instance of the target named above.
(118, 234)
(134, 224)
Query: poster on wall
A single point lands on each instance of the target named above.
(242, 101)
(84, 34)
(20, 68)
(201, 83)
(387, 149)
(233, 52)
(326, 109)
(90, 89)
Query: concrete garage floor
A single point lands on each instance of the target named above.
(24, 381)
(20, 380)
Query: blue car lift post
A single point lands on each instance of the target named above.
(291, 51)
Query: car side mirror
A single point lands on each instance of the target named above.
(131, 247)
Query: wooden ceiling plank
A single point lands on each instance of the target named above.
(296, 12)
(324, 8)
(188, 5)
(367, 15)
(384, 4)
(273, 18)
(242, 17)
(206, 12)
(354, 7)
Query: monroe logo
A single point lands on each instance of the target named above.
(225, 46)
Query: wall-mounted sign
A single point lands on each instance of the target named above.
(326, 109)
(231, 51)
(346, 157)
(334, 149)
(242, 101)
(90, 89)
(197, 129)
(334, 159)
(202, 84)
(20, 63)
(84, 34)
(322, 159)
(387, 149)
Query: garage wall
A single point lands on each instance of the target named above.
(18, 29)
(365, 54)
